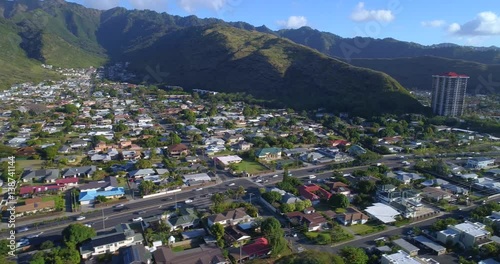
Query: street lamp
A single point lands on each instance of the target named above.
(250, 194)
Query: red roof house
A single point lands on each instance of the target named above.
(24, 190)
(67, 181)
(314, 193)
(339, 142)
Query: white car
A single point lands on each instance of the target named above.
(80, 218)
(258, 180)
(137, 219)
(312, 176)
(275, 176)
(199, 189)
(188, 201)
(87, 225)
(119, 205)
(23, 229)
(231, 184)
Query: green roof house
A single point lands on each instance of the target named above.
(268, 153)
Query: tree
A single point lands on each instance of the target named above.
(50, 153)
(101, 199)
(300, 206)
(271, 227)
(339, 200)
(366, 187)
(75, 234)
(353, 255)
(218, 198)
(286, 207)
(307, 203)
(271, 197)
(6, 151)
(47, 245)
(147, 187)
(70, 109)
(324, 239)
(252, 211)
(217, 230)
(143, 164)
(174, 138)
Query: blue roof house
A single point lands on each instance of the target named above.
(89, 196)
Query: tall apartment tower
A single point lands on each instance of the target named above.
(448, 94)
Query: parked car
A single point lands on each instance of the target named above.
(141, 212)
(137, 219)
(198, 189)
(80, 218)
(231, 184)
(119, 206)
(258, 180)
(275, 176)
(312, 176)
(188, 201)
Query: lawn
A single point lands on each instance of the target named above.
(34, 164)
(251, 167)
(366, 229)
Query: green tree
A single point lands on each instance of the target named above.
(286, 207)
(339, 200)
(46, 244)
(120, 127)
(271, 229)
(218, 198)
(70, 109)
(217, 230)
(101, 199)
(271, 197)
(174, 138)
(354, 255)
(75, 234)
(324, 239)
(147, 187)
(6, 151)
(143, 164)
(50, 153)
(300, 206)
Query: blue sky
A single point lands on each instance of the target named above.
(475, 23)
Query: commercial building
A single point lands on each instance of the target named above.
(480, 163)
(448, 94)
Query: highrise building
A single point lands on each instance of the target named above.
(448, 94)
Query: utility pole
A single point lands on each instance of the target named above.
(250, 197)
(103, 220)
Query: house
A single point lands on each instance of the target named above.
(136, 174)
(351, 217)
(34, 205)
(436, 194)
(26, 191)
(494, 218)
(382, 212)
(339, 187)
(289, 198)
(314, 193)
(455, 189)
(204, 254)
(234, 234)
(135, 254)
(107, 184)
(400, 257)
(225, 161)
(26, 151)
(67, 182)
(46, 175)
(434, 182)
(268, 153)
(258, 249)
(85, 171)
(407, 177)
(467, 234)
(131, 155)
(313, 220)
(406, 246)
(339, 143)
(178, 150)
(123, 236)
(232, 217)
(480, 163)
(186, 218)
(89, 197)
(356, 150)
(243, 146)
(78, 144)
(190, 179)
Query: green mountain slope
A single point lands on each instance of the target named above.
(224, 58)
(198, 53)
(416, 72)
(15, 66)
(363, 47)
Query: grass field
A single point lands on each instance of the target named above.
(365, 229)
(34, 164)
(251, 167)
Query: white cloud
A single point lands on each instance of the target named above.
(453, 28)
(361, 14)
(101, 4)
(192, 5)
(157, 5)
(293, 22)
(433, 23)
(485, 24)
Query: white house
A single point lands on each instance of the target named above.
(480, 163)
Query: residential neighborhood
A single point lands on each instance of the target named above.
(172, 176)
